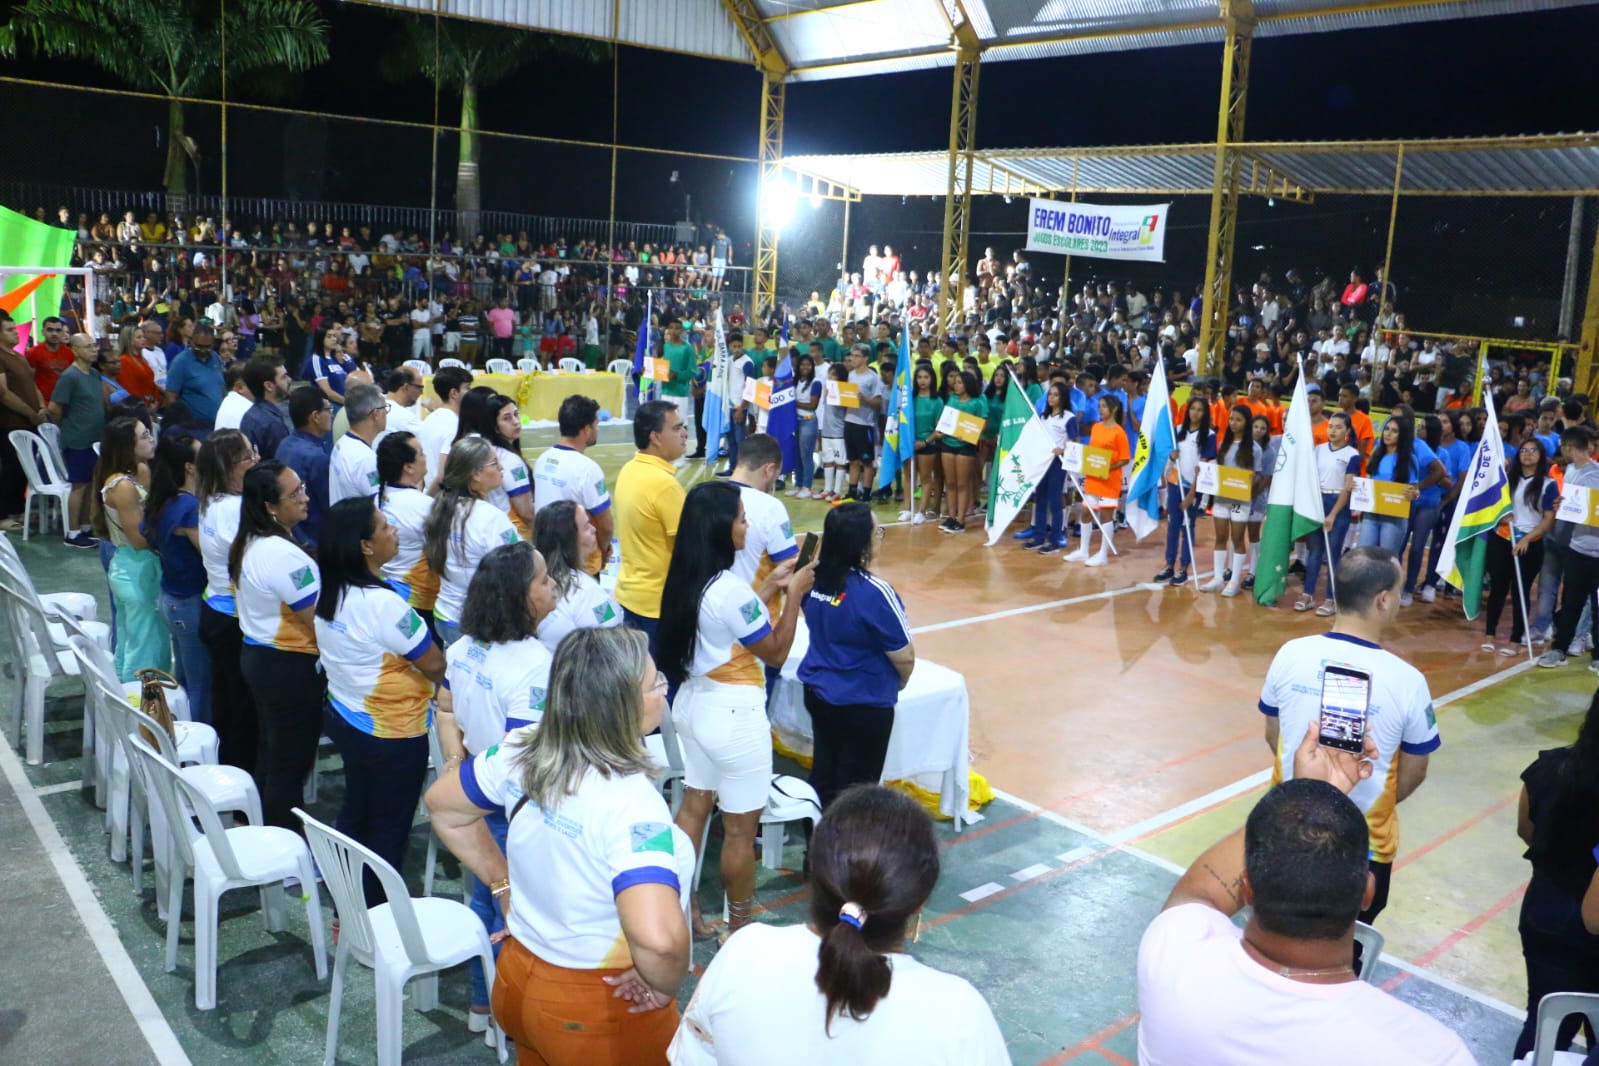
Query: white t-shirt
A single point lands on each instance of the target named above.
(276, 579)
(495, 688)
(367, 652)
(401, 417)
(436, 433)
(231, 411)
(1333, 466)
(587, 605)
(568, 865)
(1399, 717)
(219, 525)
(156, 359)
(353, 469)
(517, 482)
(731, 618)
(770, 535)
(1204, 1002)
(564, 473)
(484, 530)
(763, 982)
(407, 509)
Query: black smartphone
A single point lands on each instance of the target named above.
(1345, 698)
(807, 550)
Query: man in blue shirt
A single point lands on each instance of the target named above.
(195, 376)
(305, 451)
(266, 423)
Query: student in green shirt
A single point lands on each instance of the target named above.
(959, 459)
(927, 407)
(682, 364)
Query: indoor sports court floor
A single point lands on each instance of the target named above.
(1116, 719)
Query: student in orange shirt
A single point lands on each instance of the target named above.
(1103, 494)
(1365, 432)
(1318, 414)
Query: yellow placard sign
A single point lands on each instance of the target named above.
(1086, 461)
(842, 394)
(1387, 498)
(657, 369)
(963, 427)
(1579, 505)
(1235, 483)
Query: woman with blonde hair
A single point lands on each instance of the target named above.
(593, 878)
(458, 532)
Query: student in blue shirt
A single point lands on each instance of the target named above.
(172, 511)
(305, 451)
(860, 655)
(1400, 457)
(1455, 454)
(1085, 404)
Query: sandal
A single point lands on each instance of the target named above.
(1305, 603)
(1327, 609)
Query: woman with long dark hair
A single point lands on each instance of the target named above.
(402, 471)
(844, 982)
(1196, 443)
(1399, 456)
(715, 634)
(1231, 517)
(122, 476)
(927, 406)
(1558, 820)
(275, 589)
(807, 400)
(1337, 464)
(224, 458)
(565, 537)
(462, 527)
(1267, 445)
(381, 664)
(495, 418)
(860, 655)
(1103, 494)
(1533, 496)
(1426, 514)
(959, 458)
(172, 517)
(1047, 534)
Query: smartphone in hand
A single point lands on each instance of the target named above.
(807, 550)
(1345, 699)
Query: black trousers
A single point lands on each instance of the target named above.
(851, 742)
(1501, 565)
(383, 779)
(232, 705)
(1581, 579)
(1561, 956)
(13, 482)
(288, 704)
(699, 423)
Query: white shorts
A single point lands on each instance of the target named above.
(1100, 503)
(727, 742)
(833, 453)
(685, 407)
(1229, 510)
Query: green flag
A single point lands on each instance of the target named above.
(26, 243)
(1023, 454)
(1293, 503)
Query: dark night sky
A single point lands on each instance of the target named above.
(1512, 74)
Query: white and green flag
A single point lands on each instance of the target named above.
(1293, 504)
(1024, 453)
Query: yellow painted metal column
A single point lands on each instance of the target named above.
(1583, 379)
(766, 228)
(1239, 16)
(958, 194)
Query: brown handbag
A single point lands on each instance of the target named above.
(153, 685)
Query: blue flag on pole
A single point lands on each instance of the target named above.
(1157, 438)
(644, 347)
(782, 419)
(718, 385)
(899, 434)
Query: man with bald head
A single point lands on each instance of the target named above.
(78, 405)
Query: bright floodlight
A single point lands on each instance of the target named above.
(779, 202)
(816, 200)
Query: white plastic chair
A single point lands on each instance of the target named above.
(421, 366)
(499, 366)
(401, 939)
(435, 767)
(41, 654)
(1553, 1009)
(44, 483)
(453, 362)
(1371, 943)
(528, 366)
(569, 365)
(790, 799)
(93, 728)
(79, 605)
(50, 433)
(252, 856)
(623, 367)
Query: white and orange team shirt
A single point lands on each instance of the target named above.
(219, 526)
(569, 864)
(586, 605)
(408, 572)
(485, 529)
(564, 473)
(518, 481)
(1400, 718)
(276, 579)
(768, 541)
(367, 652)
(732, 618)
(353, 470)
(495, 688)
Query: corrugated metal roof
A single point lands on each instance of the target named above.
(1555, 165)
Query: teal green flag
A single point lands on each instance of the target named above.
(26, 243)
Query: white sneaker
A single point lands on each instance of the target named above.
(1552, 657)
(792, 492)
(1232, 589)
(1406, 599)
(478, 1022)
(1078, 556)
(1215, 584)
(1097, 559)
(918, 518)
(1429, 594)
(803, 494)
(904, 516)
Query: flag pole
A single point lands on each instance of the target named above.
(1093, 512)
(1332, 582)
(1188, 526)
(1521, 591)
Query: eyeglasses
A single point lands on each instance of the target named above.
(661, 685)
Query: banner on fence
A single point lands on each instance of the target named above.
(1099, 231)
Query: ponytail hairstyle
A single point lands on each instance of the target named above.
(455, 500)
(396, 451)
(874, 862)
(219, 456)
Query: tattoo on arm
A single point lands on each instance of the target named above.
(1234, 888)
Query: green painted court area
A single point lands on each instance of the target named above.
(1042, 916)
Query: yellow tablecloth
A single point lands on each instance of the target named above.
(539, 396)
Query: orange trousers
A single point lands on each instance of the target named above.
(561, 1017)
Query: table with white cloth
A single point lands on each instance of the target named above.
(928, 744)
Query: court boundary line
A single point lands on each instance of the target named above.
(141, 1003)
(1107, 594)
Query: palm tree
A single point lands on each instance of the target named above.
(465, 57)
(174, 48)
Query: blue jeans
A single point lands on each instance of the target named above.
(1176, 533)
(1423, 519)
(735, 437)
(1316, 545)
(1554, 568)
(485, 906)
(1561, 956)
(182, 616)
(649, 627)
(1048, 512)
(1380, 531)
(805, 446)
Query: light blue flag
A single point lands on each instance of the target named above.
(899, 431)
(718, 386)
(1157, 437)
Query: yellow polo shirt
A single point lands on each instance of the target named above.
(647, 502)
